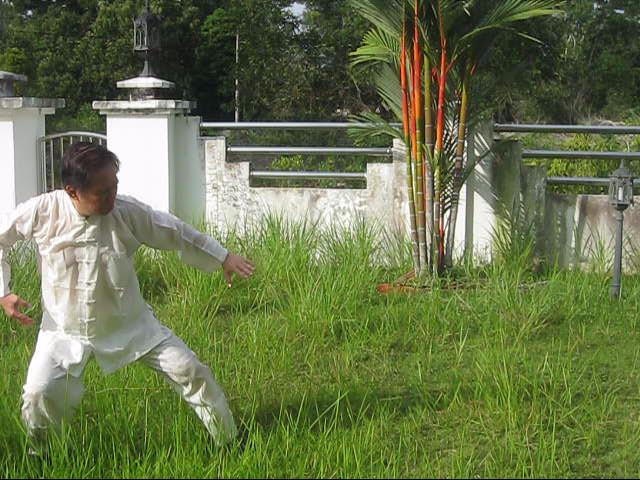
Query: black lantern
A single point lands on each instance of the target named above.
(620, 197)
(146, 38)
(621, 188)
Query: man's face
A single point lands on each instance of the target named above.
(100, 196)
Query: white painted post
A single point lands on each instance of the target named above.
(159, 152)
(478, 202)
(22, 122)
(400, 192)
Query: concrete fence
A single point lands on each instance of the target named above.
(231, 203)
(166, 164)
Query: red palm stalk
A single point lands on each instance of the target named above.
(408, 144)
(418, 110)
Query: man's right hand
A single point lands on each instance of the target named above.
(12, 304)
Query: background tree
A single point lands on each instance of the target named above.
(329, 32)
(423, 56)
(586, 66)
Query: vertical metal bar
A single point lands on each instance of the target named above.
(53, 174)
(617, 263)
(60, 157)
(43, 164)
(39, 159)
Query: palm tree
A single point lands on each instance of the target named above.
(424, 54)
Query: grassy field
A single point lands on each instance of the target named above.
(514, 375)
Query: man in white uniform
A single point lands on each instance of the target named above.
(86, 236)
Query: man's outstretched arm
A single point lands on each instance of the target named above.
(14, 226)
(165, 231)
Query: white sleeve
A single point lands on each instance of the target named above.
(14, 226)
(165, 231)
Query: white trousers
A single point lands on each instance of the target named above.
(54, 387)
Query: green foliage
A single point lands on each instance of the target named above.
(513, 238)
(289, 68)
(324, 163)
(585, 66)
(582, 167)
(13, 60)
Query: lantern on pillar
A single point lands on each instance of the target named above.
(146, 38)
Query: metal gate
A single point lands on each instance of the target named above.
(51, 148)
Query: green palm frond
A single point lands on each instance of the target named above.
(374, 127)
(500, 17)
(387, 83)
(377, 46)
(384, 14)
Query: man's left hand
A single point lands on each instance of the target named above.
(238, 265)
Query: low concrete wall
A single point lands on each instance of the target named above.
(232, 204)
(573, 231)
(580, 232)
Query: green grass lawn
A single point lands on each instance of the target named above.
(518, 375)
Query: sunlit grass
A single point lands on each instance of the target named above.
(517, 375)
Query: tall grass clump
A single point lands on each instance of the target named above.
(517, 372)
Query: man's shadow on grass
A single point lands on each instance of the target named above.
(341, 409)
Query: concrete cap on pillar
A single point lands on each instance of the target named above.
(145, 88)
(7, 83)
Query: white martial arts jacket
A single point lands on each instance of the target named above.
(90, 290)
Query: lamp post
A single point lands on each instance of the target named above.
(146, 38)
(620, 197)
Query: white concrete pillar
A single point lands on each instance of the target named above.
(22, 122)
(400, 191)
(478, 198)
(159, 152)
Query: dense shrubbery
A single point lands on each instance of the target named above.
(584, 68)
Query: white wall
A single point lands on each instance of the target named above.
(232, 204)
(142, 146)
(157, 144)
(22, 122)
(189, 169)
(7, 165)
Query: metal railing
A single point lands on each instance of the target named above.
(537, 128)
(50, 150)
(387, 151)
(371, 151)
(284, 125)
(592, 181)
(300, 150)
(574, 154)
(282, 175)
(580, 155)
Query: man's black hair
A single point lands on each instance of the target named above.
(82, 160)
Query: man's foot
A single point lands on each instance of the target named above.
(37, 453)
(239, 443)
(37, 445)
(242, 439)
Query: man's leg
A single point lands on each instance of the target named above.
(196, 384)
(54, 387)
